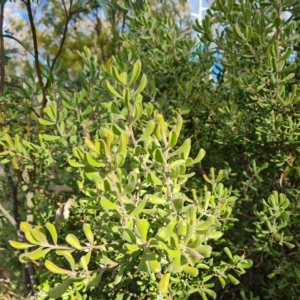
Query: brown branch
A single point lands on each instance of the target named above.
(36, 55)
(62, 42)
(27, 269)
(65, 8)
(8, 216)
(2, 61)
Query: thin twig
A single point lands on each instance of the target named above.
(65, 8)
(36, 55)
(2, 80)
(62, 42)
(8, 216)
(18, 41)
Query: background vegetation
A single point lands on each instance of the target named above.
(147, 156)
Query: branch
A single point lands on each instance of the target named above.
(18, 41)
(62, 42)
(8, 216)
(36, 56)
(2, 80)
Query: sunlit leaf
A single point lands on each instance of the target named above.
(73, 241)
(164, 283)
(19, 245)
(51, 228)
(55, 269)
(142, 227)
(68, 256)
(88, 233)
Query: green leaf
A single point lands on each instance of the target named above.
(102, 148)
(19, 245)
(190, 270)
(91, 172)
(232, 279)
(289, 69)
(193, 255)
(200, 156)
(93, 162)
(289, 245)
(237, 31)
(178, 125)
(73, 241)
(152, 262)
(246, 264)
(66, 104)
(158, 156)
(111, 89)
(39, 235)
(34, 255)
(90, 145)
(120, 274)
(184, 148)
(135, 72)
(175, 265)
(120, 160)
(204, 250)
(211, 293)
(131, 248)
(164, 283)
(142, 85)
(228, 252)
(288, 77)
(137, 111)
(59, 290)
(45, 122)
(55, 269)
(85, 260)
(51, 111)
(76, 151)
(122, 78)
(215, 235)
(143, 265)
(32, 239)
(75, 164)
(173, 137)
(131, 183)
(95, 279)
(129, 236)
(50, 138)
(222, 281)
(126, 97)
(156, 200)
(142, 227)
(68, 256)
(123, 144)
(151, 178)
(139, 208)
(109, 138)
(88, 233)
(108, 205)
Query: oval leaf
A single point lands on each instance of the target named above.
(164, 283)
(51, 228)
(55, 269)
(88, 233)
(73, 241)
(59, 290)
(19, 245)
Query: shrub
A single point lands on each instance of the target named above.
(144, 232)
